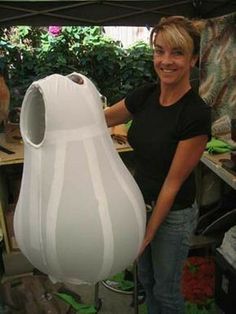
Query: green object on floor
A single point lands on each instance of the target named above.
(207, 308)
(218, 146)
(142, 309)
(81, 308)
(122, 283)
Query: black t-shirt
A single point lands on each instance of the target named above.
(154, 135)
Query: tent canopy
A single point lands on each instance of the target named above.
(107, 12)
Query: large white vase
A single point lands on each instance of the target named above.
(80, 215)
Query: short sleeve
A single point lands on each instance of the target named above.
(195, 120)
(136, 100)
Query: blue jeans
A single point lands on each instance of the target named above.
(160, 266)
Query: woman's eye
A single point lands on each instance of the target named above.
(158, 51)
(178, 52)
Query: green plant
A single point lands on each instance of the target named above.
(137, 68)
(17, 49)
(31, 53)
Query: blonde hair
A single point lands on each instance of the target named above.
(180, 32)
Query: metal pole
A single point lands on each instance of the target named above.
(135, 296)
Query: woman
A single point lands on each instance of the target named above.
(171, 126)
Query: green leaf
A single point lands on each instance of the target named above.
(82, 308)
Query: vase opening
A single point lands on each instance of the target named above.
(33, 117)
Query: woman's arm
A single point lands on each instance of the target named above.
(117, 114)
(187, 156)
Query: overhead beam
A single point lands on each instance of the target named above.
(106, 12)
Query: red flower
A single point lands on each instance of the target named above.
(54, 30)
(198, 279)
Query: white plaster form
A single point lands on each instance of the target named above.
(80, 215)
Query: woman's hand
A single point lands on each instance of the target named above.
(146, 241)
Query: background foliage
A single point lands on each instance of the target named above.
(30, 53)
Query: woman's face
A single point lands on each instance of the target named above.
(172, 64)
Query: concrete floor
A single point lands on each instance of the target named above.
(35, 294)
(111, 302)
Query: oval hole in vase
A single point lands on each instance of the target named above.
(33, 117)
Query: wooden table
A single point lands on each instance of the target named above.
(16, 157)
(16, 148)
(212, 161)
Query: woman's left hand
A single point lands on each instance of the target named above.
(145, 243)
